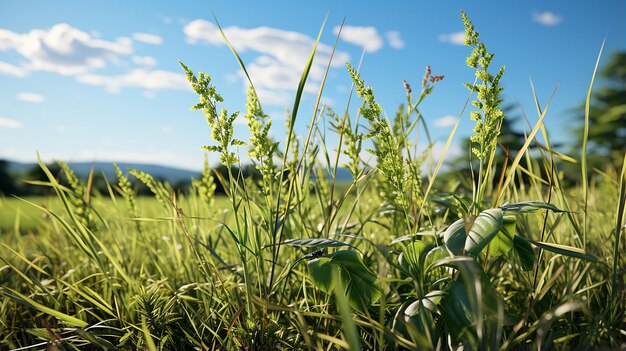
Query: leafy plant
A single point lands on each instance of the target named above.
(297, 259)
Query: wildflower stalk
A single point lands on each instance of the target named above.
(488, 117)
(262, 147)
(390, 160)
(222, 132)
(403, 127)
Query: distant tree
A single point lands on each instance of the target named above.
(182, 186)
(37, 174)
(221, 173)
(99, 183)
(607, 115)
(7, 180)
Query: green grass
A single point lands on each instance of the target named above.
(396, 259)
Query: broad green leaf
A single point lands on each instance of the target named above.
(412, 328)
(418, 319)
(435, 255)
(503, 241)
(565, 250)
(529, 206)
(470, 301)
(454, 237)
(312, 243)
(456, 310)
(485, 227)
(359, 282)
(321, 271)
(525, 252)
(429, 302)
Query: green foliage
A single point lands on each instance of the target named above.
(358, 281)
(387, 266)
(7, 182)
(502, 243)
(483, 230)
(525, 252)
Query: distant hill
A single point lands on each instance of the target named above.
(82, 169)
(171, 174)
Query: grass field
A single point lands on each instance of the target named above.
(400, 259)
(25, 214)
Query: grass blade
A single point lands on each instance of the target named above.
(583, 162)
(564, 250)
(10, 293)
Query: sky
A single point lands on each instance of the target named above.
(101, 81)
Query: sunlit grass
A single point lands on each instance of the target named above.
(395, 259)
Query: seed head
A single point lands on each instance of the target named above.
(407, 87)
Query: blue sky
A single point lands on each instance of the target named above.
(84, 81)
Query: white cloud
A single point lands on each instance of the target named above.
(456, 38)
(365, 37)
(63, 49)
(10, 123)
(138, 78)
(147, 38)
(147, 61)
(395, 40)
(66, 50)
(283, 55)
(9, 40)
(452, 152)
(274, 97)
(10, 70)
(445, 121)
(547, 18)
(272, 75)
(31, 97)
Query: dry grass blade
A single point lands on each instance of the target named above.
(522, 150)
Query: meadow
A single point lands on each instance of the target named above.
(402, 258)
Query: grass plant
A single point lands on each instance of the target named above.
(394, 260)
